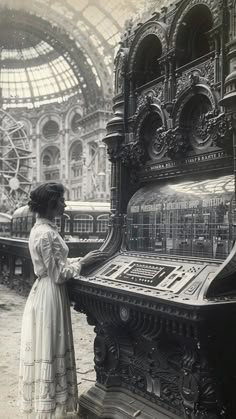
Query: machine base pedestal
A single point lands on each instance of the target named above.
(117, 403)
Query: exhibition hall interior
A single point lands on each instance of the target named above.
(131, 105)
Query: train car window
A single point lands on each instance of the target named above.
(58, 223)
(102, 223)
(18, 224)
(67, 223)
(24, 226)
(14, 225)
(29, 223)
(18, 267)
(83, 223)
(5, 224)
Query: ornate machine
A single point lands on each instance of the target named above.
(164, 304)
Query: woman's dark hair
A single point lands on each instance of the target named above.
(45, 197)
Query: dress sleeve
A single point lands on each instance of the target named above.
(54, 260)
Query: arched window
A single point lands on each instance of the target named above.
(192, 41)
(83, 223)
(67, 223)
(76, 122)
(102, 223)
(50, 130)
(58, 223)
(77, 151)
(47, 160)
(147, 66)
(51, 163)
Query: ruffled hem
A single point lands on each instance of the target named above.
(61, 412)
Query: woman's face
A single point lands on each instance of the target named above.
(59, 210)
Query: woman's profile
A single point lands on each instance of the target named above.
(48, 384)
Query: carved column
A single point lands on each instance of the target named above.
(114, 138)
(171, 77)
(67, 163)
(38, 159)
(165, 71)
(217, 60)
(132, 104)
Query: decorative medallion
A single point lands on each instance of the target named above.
(157, 145)
(124, 313)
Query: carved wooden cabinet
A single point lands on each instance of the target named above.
(164, 303)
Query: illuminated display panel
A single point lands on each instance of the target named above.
(187, 219)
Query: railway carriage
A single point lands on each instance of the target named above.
(84, 227)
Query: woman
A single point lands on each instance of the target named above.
(48, 386)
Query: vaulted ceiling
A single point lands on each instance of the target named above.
(53, 49)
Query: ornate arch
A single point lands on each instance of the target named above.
(50, 171)
(150, 28)
(187, 94)
(184, 8)
(144, 113)
(73, 144)
(49, 146)
(195, 113)
(149, 121)
(77, 108)
(45, 118)
(27, 125)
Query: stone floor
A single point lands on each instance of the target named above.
(11, 310)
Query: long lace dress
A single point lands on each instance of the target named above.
(47, 383)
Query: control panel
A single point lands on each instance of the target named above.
(172, 276)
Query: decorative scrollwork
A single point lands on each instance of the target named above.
(178, 144)
(113, 154)
(131, 155)
(204, 74)
(120, 63)
(159, 142)
(220, 129)
(194, 79)
(106, 351)
(170, 142)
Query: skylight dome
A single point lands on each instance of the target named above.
(33, 74)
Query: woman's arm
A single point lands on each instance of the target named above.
(56, 264)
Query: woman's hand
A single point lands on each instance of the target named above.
(92, 257)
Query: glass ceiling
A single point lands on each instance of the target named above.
(34, 76)
(205, 187)
(34, 73)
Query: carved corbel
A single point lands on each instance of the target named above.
(220, 129)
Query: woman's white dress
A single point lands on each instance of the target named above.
(47, 384)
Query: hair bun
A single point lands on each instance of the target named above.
(45, 196)
(34, 206)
